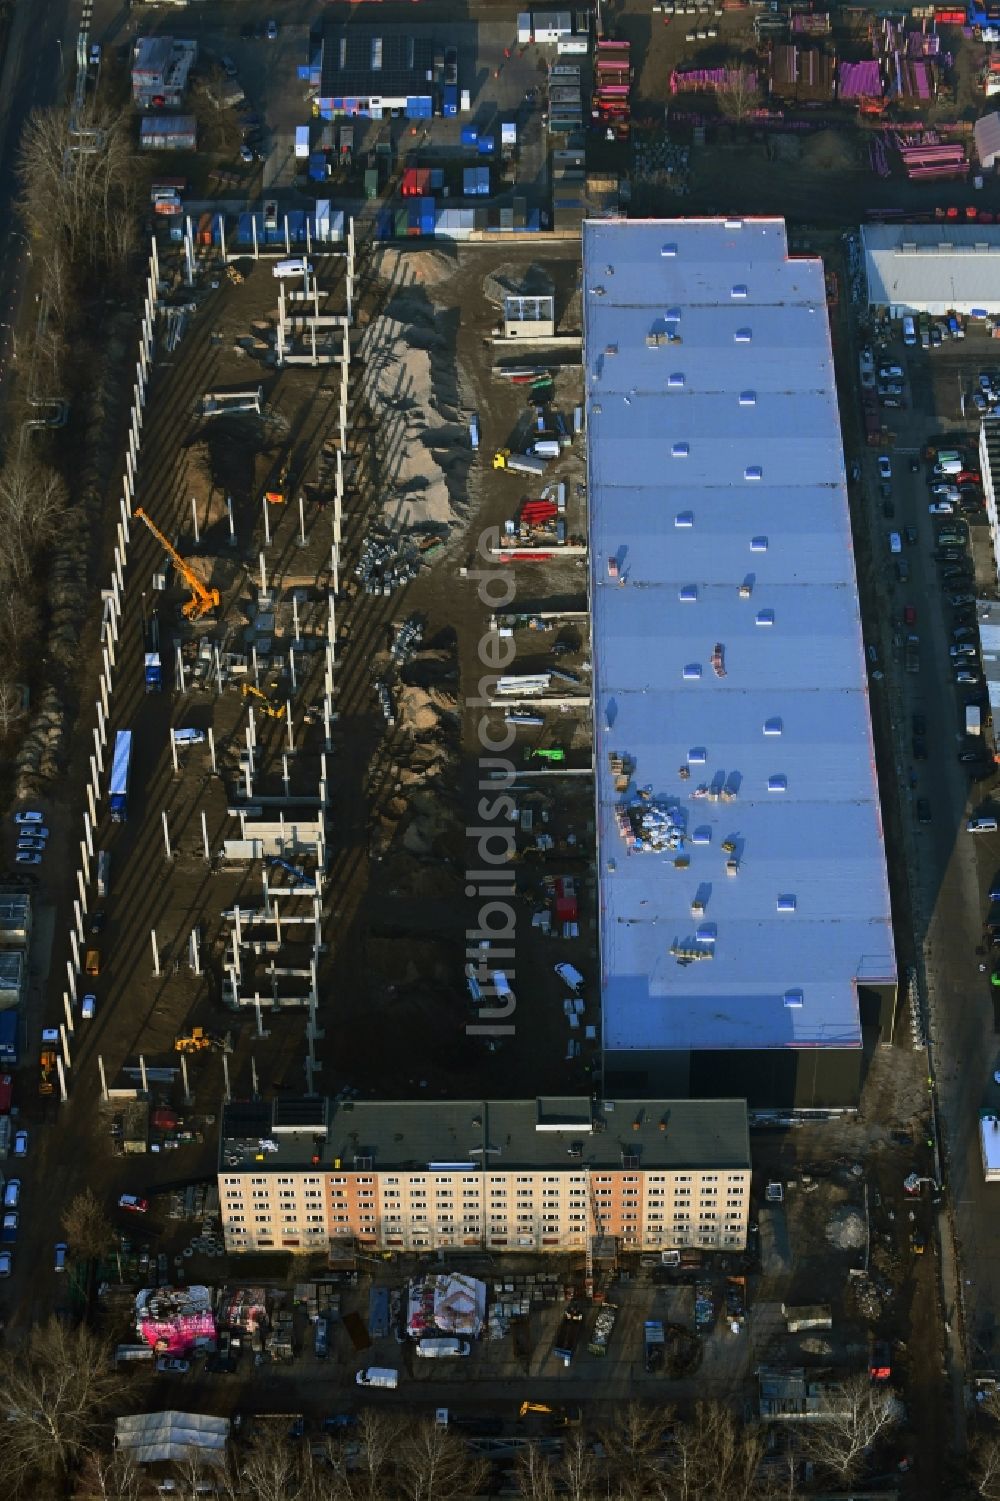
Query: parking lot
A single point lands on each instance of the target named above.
(926, 685)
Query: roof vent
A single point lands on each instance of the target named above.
(758, 544)
(743, 335)
(697, 755)
(676, 381)
(772, 726)
(734, 223)
(777, 783)
(739, 290)
(688, 594)
(673, 315)
(611, 349)
(748, 398)
(692, 671)
(794, 999)
(680, 450)
(707, 932)
(668, 249)
(753, 471)
(786, 904)
(684, 518)
(765, 617)
(702, 835)
(596, 409)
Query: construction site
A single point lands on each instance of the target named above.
(294, 767)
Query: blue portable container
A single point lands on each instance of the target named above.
(469, 135)
(486, 145)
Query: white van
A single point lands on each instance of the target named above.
(895, 543)
(378, 1375)
(297, 266)
(909, 331)
(442, 1349)
(981, 826)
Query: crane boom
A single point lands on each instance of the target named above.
(202, 599)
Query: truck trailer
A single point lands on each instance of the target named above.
(989, 1142)
(121, 766)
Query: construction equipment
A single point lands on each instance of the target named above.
(273, 711)
(235, 276)
(554, 755)
(562, 1417)
(278, 496)
(202, 599)
(47, 1069)
(197, 1041)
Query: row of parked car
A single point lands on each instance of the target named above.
(32, 837)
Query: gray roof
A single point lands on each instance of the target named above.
(505, 1134)
(932, 263)
(986, 132)
(155, 1437)
(747, 386)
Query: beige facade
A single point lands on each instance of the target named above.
(570, 1177)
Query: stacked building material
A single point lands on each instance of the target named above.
(610, 103)
(930, 158)
(857, 81)
(801, 73)
(817, 24)
(711, 80)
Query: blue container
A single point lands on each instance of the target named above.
(486, 145)
(317, 166)
(469, 136)
(244, 232)
(427, 224)
(437, 179)
(383, 231)
(470, 182)
(449, 104)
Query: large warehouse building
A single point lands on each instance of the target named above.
(745, 927)
(933, 268)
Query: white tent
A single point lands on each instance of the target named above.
(151, 1437)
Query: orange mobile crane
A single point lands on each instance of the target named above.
(202, 599)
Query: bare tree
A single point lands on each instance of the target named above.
(741, 96)
(852, 1416)
(33, 500)
(274, 1467)
(432, 1464)
(378, 1437)
(11, 707)
(986, 1468)
(632, 1444)
(114, 1477)
(535, 1476)
(87, 1227)
(57, 1387)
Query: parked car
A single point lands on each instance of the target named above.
(945, 491)
(941, 508)
(272, 30)
(967, 677)
(133, 1203)
(12, 1194)
(6, 1261)
(910, 533)
(961, 599)
(88, 1006)
(59, 1264)
(919, 748)
(890, 372)
(26, 857)
(29, 816)
(914, 466)
(97, 921)
(923, 810)
(884, 466)
(20, 1144)
(170, 1365)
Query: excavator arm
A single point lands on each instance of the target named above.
(202, 600)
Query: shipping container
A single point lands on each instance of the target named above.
(449, 105)
(469, 135)
(301, 142)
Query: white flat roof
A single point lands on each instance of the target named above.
(917, 264)
(715, 462)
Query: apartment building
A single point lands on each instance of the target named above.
(510, 1175)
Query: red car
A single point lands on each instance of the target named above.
(909, 615)
(133, 1204)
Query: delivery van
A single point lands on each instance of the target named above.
(443, 1349)
(909, 331)
(378, 1375)
(297, 266)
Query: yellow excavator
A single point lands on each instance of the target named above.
(203, 600)
(274, 711)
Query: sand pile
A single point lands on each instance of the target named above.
(517, 281)
(424, 267)
(411, 388)
(846, 1229)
